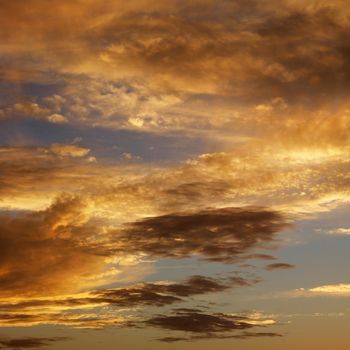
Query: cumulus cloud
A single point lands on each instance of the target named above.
(63, 150)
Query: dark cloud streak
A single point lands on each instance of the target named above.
(30, 342)
(279, 266)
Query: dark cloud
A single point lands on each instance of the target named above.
(157, 294)
(24, 343)
(198, 322)
(222, 235)
(200, 325)
(72, 310)
(137, 296)
(243, 335)
(261, 256)
(278, 266)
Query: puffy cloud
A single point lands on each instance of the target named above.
(63, 150)
(57, 118)
(30, 110)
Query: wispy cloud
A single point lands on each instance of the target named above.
(30, 342)
(88, 310)
(279, 266)
(200, 325)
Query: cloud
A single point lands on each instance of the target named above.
(63, 150)
(27, 109)
(86, 310)
(41, 251)
(263, 85)
(198, 322)
(205, 326)
(340, 231)
(151, 294)
(24, 343)
(32, 177)
(73, 244)
(141, 66)
(296, 182)
(57, 118)
(335, 290)
(243, 335)
(222, 235)
(278, 266)
(160, 294)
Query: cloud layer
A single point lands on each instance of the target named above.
(261, 88)
(75, 251)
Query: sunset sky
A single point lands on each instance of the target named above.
(174, 174)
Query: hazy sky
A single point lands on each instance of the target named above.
(174, 174)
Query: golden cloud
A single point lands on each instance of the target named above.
(336, 290)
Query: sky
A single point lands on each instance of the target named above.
(174, 174)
